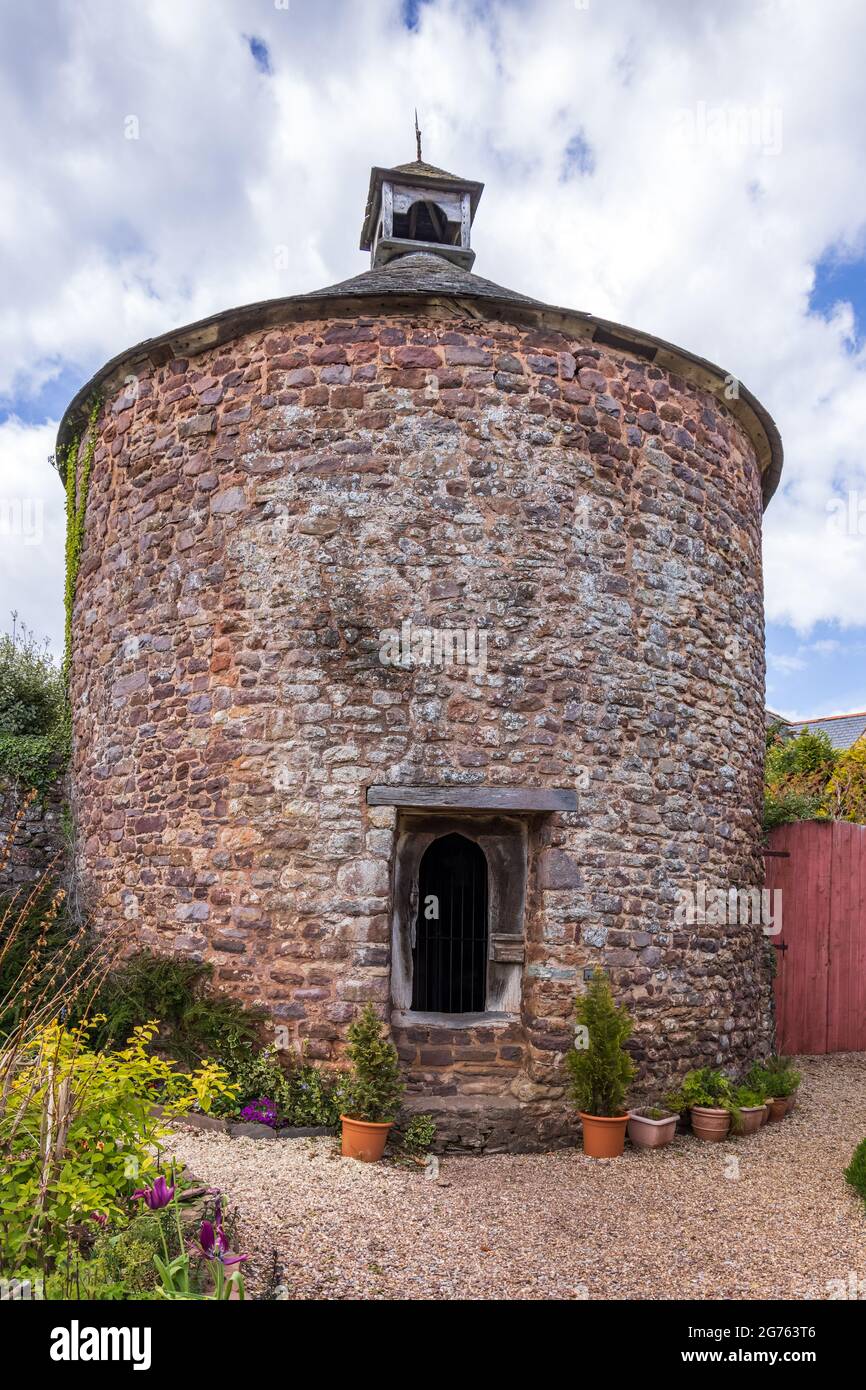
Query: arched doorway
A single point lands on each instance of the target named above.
(449, 954)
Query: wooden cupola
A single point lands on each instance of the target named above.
(416, 207)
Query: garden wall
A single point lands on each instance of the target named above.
(39, 840)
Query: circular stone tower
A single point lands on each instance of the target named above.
(418, 659)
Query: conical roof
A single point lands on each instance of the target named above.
(419, 272)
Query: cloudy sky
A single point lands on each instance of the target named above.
(694, 169)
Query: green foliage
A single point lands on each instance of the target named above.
(34, 723)
(846, 791)
(312, 1097)
(36, 936)
(747, 1097)
(797, 775)
(303, 1093)
(710, 1088)
(419, 1136)
(803, 756)
(855, 1173)
(127, 1256)
(31, 685)
(602, 1072)
(373, 1089)
(77, 478)
(781, 1078)
(195, 1020)
(78, 1133)
(704, 1086)
(757, 1080)
(781, 807)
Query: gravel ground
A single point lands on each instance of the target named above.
(765, 1217)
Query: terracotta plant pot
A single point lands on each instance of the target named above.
(753, 1118)
(603, 1135)
(765, 1113)
(364, 1139)
(710, 1123)
(778, 1109)
(651, 1134)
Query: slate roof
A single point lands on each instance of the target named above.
(420, 272)
(843, 730)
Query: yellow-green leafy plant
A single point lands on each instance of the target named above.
(79, 1130)
(845, 798)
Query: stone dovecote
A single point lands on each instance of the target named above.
(410, 557)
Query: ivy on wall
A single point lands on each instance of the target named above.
(77, 486)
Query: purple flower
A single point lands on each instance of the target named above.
(215, 1246)
(100, 1217)
(157, 1196)
(261, 1112)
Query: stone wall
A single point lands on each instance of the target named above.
(261, 513)
(32, 839)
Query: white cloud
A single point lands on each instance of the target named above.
(710, 243)
(32, 530)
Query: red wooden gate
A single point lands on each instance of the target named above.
(821, 977)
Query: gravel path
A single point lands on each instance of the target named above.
(765, 1217)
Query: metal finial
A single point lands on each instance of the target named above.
(417, 138)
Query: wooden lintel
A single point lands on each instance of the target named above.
(475, 798)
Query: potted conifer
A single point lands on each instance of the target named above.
(601, 1069)
(370, 1094)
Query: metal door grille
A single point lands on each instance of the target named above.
(449, 957)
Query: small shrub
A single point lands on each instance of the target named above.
(602, 1072)
(373, 1089)
(855, 1173)
(419, 1136)
(757, 1079)
(846, 790)
(805, 756)
(34, 718)
(195, 1020)
(782, 1079)
(782, 806)
(747, 1097)
(32, 693)
(312, 1097)
(705, 1086)
(301, 1093)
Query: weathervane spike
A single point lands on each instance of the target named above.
(417, 138)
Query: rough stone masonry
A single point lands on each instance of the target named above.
(263, 506)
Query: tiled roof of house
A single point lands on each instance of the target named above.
(843, 730)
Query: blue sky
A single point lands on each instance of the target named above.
(699, 173)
